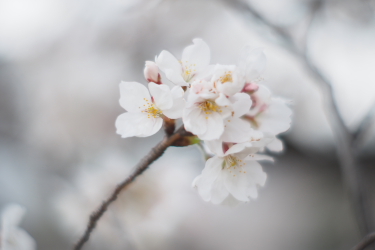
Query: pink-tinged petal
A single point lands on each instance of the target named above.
(236, 130)
(198, 54)
(161, 95)
(241, 104)
(166, 60)
(133, 96)
(276, 145)
(176, 110)
(215, 127)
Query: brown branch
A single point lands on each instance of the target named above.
(153, 155)
(365, 242)
(345, 140)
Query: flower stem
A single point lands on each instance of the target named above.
(153, 155)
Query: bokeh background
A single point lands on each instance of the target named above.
(60, 65)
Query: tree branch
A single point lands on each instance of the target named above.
(153, 155)
(366, 241)
(346, 154)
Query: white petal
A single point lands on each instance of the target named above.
(152, 126)
(215, 146)
(133, 96)
(254, 173)
(177, 109)
(198, 53)
(177, 92)
(215, 127)
(276, 145)
(166, 60)
(236, 130)
(162, 95)
(259, 157)
(204, 182)
(241, 104)
(175, 77)
(276, 119)
(219, 191)
(238, 148)
(194, 120)
(137, 124)
(237, 183)
(222, 100)
(171, 67)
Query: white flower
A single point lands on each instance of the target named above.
(269, 115)
(225, 79)
(252, 64)
(231, 174)
(152, 73)
(144, 116)
(12, 237)
(193, 64)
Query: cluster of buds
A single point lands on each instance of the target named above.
(223, 107)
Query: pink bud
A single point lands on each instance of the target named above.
(250, 87)
(152, 73)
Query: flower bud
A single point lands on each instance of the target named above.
(152, 73)
(250, 88)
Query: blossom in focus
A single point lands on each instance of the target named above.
(205, 111)
(233, 116)
(12, 236)
(152, 73)
(231, 173)
(194, 63)
(145, 111)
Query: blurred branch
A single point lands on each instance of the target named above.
(344, 138)
(364, 128)
(153, 155)
(366, 241)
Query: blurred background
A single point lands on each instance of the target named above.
(60, 65)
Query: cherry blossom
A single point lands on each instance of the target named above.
(145, 111)
(224, 108)
(193, 65)
(232, 172)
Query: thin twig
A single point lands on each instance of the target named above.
(153, 155)
(344, 138)
(365, 242)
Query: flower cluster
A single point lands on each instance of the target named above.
(224, 106)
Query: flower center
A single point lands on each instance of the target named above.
(209, 106)
(151, 110)
(227, 77)
(188, 70)
(231, 161)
